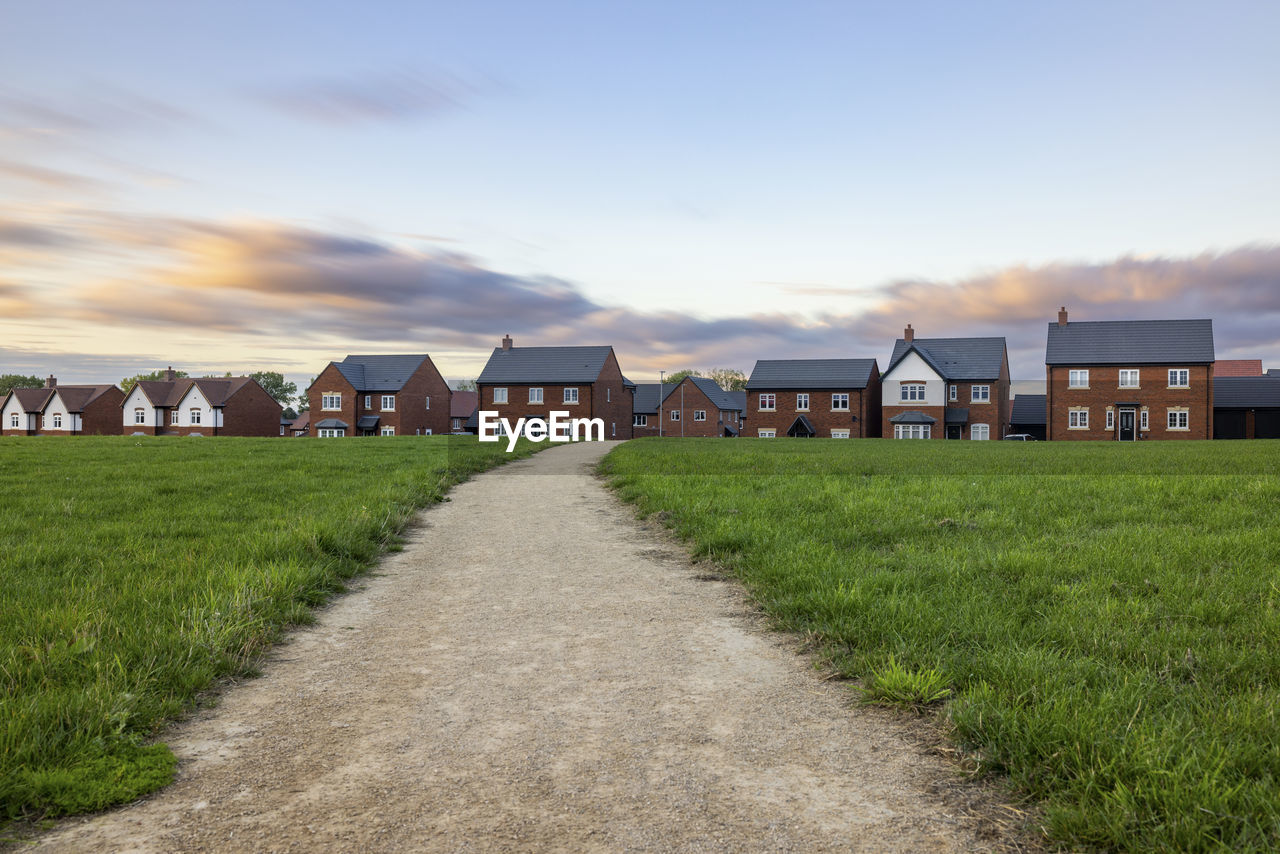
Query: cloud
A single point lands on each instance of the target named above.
(51, 178)
(95, 111)
(372, 98)
(26, 235)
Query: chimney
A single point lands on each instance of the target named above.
(507, 342)
(1062, 316)
(52, 382)
(169, 375)
(908, 334)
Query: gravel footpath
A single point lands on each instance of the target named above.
(538, 671)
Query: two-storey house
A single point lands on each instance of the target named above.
(1129, 379)
(825, 398)
(396, 395)
(952, 388)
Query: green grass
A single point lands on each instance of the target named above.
(135, 572)
(1105, 617)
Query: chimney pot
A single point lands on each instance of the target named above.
(507, 342)
(908, 334)
(52, 382)
(169, 375)
(1062, 316)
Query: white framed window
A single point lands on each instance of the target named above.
(1179, 378)
(535, 395)
(388, 403)
(953, 392)
(13, 419)
(1078, 419)
(368, 401)
(1111, 419)
(675, 415)
(1179, 419)
(499, 395)
(331, 433)
(139, 416)
(912, 431)
(1078, 379)
(912, 391)
(639, 420)
(174, 416)
(195, 416)
(980, 394)
(388, 431)
(839, 403)
(839, 434)
(428, 402)
(457, 423)
(1145, 421)
(571, 395)
(1128, 378)
(57, 420)
(802, 402)
(768, 402)
(330, 401)
(699, 415)
(980, 432)
(768, 434)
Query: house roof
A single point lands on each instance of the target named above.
(647, 397)
(718, 396)
(1237, 368)
(33, 399)
(805, 427)
(955, 358)
(913, 416)
(1028, 409)
(1246, 392)
(331, 424)
(811, 373)
(77, 397)
(462, 403)
(1273, 372)
(1130, 342)
(218, 390)
(368, 422)
(379, 373)
(164, 393)
(739, 399)
(545, 365)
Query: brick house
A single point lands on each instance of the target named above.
(946, 388)
(1246, 407)
(826, 398)
(586, 382)
(68, 410)
(695, 406)
(199, 406)
(400, 395)
(1129, 379)
(462, 406)
(1237, 368)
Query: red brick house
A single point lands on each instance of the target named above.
(301, 425)
(1129, 379)
(695, 406)
(399, 395)
(586, 382)
(826, 398)
(199, 406)
(1237, 368)
(462, 406)
(68, 410)
(946, 388)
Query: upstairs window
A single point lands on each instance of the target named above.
(839, 403)
(1179, 378)
(331, 401)
(535, 395)
(1128, 378)
(953, 392)
(802, 402)
(1078, 379)
(699, 415)
(768, 402)
(428, 402)
(980, 394)
(368, 401)
(912, 391)
(499, 395)
(571, 395)
(388, 403)
(675, 415)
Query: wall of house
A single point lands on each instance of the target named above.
(411, 416)
(687, 399)
(913, 370)
(612, 401)
(871, 406)
(331, 381)
(518, 405)
(651, 428)
(194, 401)
(1153, 392)
(135, 400)
(250, 412)
(101, 416)
(990, 413)
(26, 422)
(819, 413)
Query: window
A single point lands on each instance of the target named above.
(457, 424)
(1179, 378)
(768, 402)
(768, 434)
(388, 431)
(1179, 419)
(139, 416)
(57, 420)
(428, 404)
(1111, 419)
(499, 395)
(912, 431)
(839, 403)
(640, 421)
(1128, 378)
(332, 434)
(675, 415)
(368, 401)
(953, 393)
(608, 397)
(195, 416)
(571, 395)
(1078, 419)
(1146, 422)
(13, 419)
(913, 391)
(388, 403)
(979, 432)
(1078, 379)
(331, 401)
(839, 434)
(535, 395)
(802, 402)
(980, 394)
(699, 415)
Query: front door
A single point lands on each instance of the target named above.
(1127, 418)
(953, 431)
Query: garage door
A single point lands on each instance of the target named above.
(1228, 424)
(1266, 424)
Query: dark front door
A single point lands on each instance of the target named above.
(1127, 433)
(953, 431)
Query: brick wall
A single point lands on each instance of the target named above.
(612, 401)
(101, 417)
(820, 414)
(250, 412)
(1153, 392)
(937, 431)
(692, 401)
(331, 381)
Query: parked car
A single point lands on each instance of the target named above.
(1019, 437)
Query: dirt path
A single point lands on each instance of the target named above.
(538, 672)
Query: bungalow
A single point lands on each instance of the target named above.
(462, 405)
(828, 398)
(1129, 379)
(1246, 407)
(202, 406)
(68, 410)
(402, 395)
(954, 388)
(586, 382)
(302, 424)
(695, 406)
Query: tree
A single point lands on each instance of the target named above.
(8, 382)
(729, 379)
(273, 383)
(679, 375)
(464, 385)
(289, 412)
(127, 384)
(304, 402)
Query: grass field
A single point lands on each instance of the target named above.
(135, 572)
(1099, 622)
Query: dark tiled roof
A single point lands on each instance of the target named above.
(218, 390)
(739, 399)
(801, 426)
(331, 424)
(956, 415)
(1273, 372)
(379, 373)
(646, 399)
(718, 396)
(1237, 368)
(730, 429)
(303, 421)
(368, 422)
(913, 416)
(462, 403)
(811, 373)
(955, 358)
(77, 397)
(33, 399)
(1246, 392)
(1028, 409)
(1130, 342)
(552, 365)
(163, 393)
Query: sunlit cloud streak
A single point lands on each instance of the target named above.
(372, 98)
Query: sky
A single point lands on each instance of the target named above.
(241, 186)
